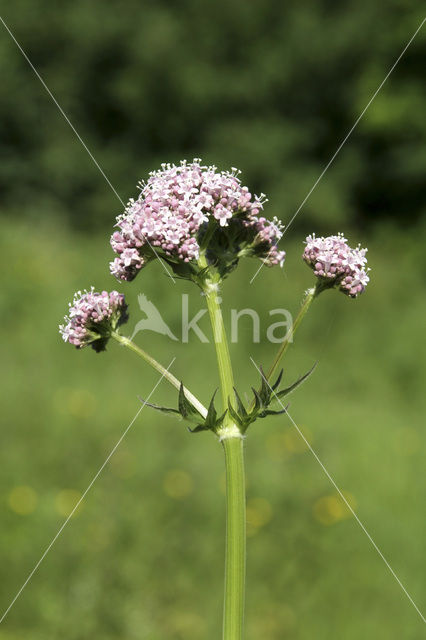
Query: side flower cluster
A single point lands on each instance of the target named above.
(181, 209)
(91, 318)
(336, 264)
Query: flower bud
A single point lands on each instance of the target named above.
(92, 317)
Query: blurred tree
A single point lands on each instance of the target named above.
(267, 86)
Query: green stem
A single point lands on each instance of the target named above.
(233, 615)
(232, 442)
(158, 367)
(221, 344)
(309, 297)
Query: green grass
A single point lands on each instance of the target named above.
(143, 557)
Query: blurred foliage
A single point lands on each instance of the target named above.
(143, 555)
(271, 87)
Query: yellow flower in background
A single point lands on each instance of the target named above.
(331, 509)
(177, 484)
(283, 444)
(259, 513)
(65, 502)
(294, 442)
(23, 500)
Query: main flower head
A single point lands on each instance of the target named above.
(184, 210)
(91, 318)
(336, 264)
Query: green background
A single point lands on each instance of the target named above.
(271, 88)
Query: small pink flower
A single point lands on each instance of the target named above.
(174, 208)
(335, 263)
(91, 318)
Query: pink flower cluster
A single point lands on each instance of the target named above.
(91, 318)
(269, 233)
(334, 262)
(173, 211)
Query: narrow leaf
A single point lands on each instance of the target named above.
(258, 400)
(211, 417)
(292, 387)
(278, 380)
(270, 412)
(219, 421)
(182, 402)
(234, 415)
(198, 428)
(186, 409)
(265, 389)
(157, 407)
(240, 405)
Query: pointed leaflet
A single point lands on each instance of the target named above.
(264, 398)
(198, 428)
(186, 409)
(234, 415)
(265, 389)
(292, 387)
(239, 415)
(271, 412)
(240, 405)
(264, 395)
(211, 421)
(278, 380)
(220, 419)
(158, 408)
(258, 404)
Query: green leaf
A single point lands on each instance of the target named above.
(292, 387)
(271, 412)
(211, 421)
(240, 405)
(235, 416)
(211, 417)
(258, 403)
(265, 389)
(158, 408)
(278, 380)
(198, 428)
(186, 409)
(220, 420)
(266, 396)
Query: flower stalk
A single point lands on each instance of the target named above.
(310, 295)
(232, 442)
(235, 557)
(221, 344)
(126, 342)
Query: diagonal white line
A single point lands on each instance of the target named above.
(342, 496)
(345, 139)
(355, 124)
(48, 548)
(77, 134)
(61, 110)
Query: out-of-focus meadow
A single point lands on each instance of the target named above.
(271, 89)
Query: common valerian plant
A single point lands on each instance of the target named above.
(201, 222)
